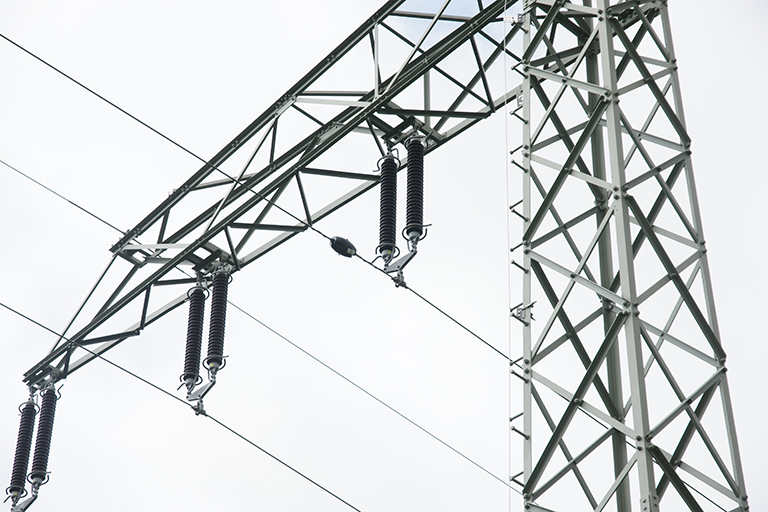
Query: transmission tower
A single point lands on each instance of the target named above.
(614, 402)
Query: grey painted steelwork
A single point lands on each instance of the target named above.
(626, 352)
(617, 406)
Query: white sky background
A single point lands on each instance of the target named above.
(200, 73)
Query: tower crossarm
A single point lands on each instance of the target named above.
(387, 81)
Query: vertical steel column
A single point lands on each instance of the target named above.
(527, 212)
(645, 473)
(605, 254)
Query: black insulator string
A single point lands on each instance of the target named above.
(39, 471)
(23, 449)
(218, 321)
(388, 207)
(145, 381)
(194, 337)
(414, 223)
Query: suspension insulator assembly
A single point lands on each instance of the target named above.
(191, 375)
(23, 448)
(215, 359)
(414, 229)
(414, 225)
(39, 471)
(388, 208)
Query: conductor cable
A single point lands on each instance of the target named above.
(282, 337)
(61, 196)
(403, 416)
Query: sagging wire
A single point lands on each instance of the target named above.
(406, 418)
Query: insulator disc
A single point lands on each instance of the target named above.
(23, 448)
(44, 434)
(414, 224)
(388, 205)
(194, 335)
(218, 319)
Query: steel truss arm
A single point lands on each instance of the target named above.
(266, 179)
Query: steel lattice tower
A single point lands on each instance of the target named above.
(625, 398)
(616, 260)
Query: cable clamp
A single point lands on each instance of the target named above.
(198, 408)
(399, 280)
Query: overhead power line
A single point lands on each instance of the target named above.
(254, 318)
(33, 180)
(406, 418)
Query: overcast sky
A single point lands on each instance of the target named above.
(200, 72)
